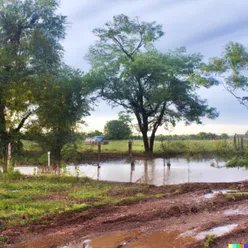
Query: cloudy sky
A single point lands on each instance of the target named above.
(203, 26)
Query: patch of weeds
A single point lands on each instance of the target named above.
(210, 239)
(161, 195)
(131, 199)
(232, 187)
(3, 239)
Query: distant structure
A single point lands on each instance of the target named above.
(95, 140)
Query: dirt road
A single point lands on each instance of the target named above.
(177, 220)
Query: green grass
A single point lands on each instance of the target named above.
(32, 153)
(28, 199)
(169, 147)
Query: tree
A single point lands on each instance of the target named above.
(155, 87)
(63, 102)
(94, 133)
(230, 71)
(30, 31)
(117, 130)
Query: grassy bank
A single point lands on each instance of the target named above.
(37, 199)
(32, 153)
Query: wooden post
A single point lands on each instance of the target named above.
(99, 153)
(49, 159)
(235, 141)
(241, 144)
(130, 148)
(9, 157)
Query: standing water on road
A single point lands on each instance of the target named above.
(154, 171)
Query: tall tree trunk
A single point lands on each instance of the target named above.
(152, 139)
(146, 141)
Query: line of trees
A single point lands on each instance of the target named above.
(39, 94)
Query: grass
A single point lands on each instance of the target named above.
(32, 154)
(210, 239)
(31, 199)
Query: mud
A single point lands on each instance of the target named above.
(172, 221)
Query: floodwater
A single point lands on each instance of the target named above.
(217, 231)
(133, 239)
(154, 171)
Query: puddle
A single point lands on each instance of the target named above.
(154, 171)
(217, 231)
(215, 192)
(134, 240)
(161, 239)
(237, 211)
(115, 239)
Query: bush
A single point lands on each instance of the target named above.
(43, 159)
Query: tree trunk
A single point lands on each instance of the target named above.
(58, 156)
(146, 141)
(152, 139)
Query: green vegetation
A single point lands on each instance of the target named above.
(156, 87)
(210, 239)
(117, 130)
(26, 199)
(32, 153)
(30, 51)
(230, 71)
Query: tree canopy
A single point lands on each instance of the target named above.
(230, 71)
(30, 34)
(118, 129)
(154, 86)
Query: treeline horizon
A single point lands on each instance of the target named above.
(160, 137)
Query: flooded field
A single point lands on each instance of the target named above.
(154, 171)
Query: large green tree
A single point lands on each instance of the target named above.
(118, 129)
(63, 103)
(30, 31)
(229, 71)
(155, 87)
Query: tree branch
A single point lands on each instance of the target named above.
(122, 48)
(16, 130)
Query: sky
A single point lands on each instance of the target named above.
(203, 26)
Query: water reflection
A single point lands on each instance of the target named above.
(155, 171)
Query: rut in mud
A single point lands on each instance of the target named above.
(172, 221)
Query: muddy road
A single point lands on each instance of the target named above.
(181, 219)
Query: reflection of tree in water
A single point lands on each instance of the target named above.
(146, 177)
(98, 172)
(132, 169)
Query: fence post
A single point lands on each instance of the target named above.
(242, 144)
(235, 141)
(49, 159)
(9, 156)
(99, 153)
(130, 148)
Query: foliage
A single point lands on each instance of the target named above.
(30, 32)
(199, 136)
(230, 70)
(62, 104)
(94, 133)
(117, 130)
(155, 87)
(238, 161)
(210, 239)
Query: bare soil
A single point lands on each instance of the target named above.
(187, 211)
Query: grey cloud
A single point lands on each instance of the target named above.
(223, 30)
